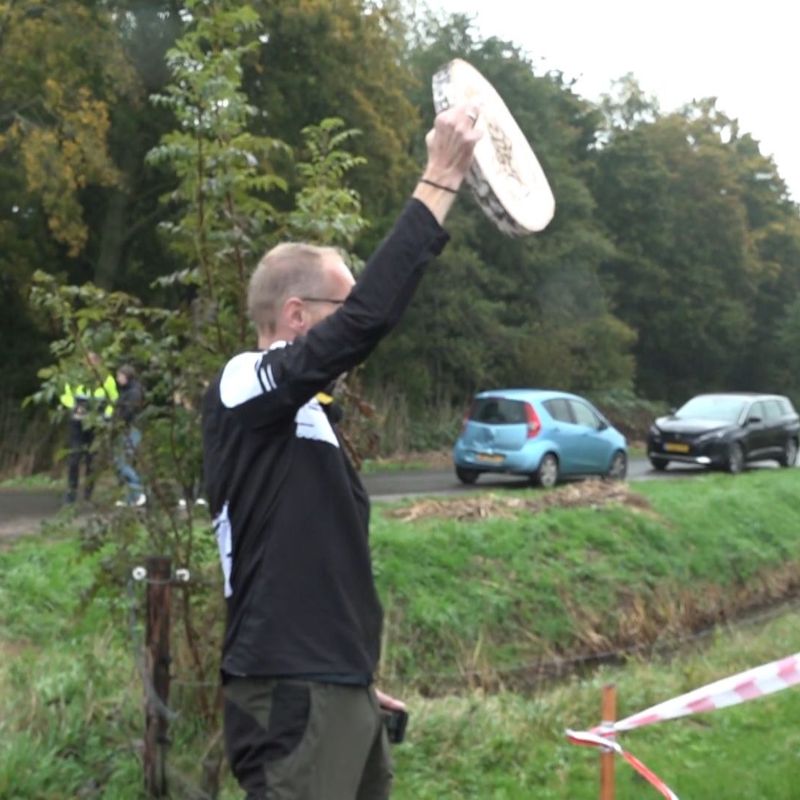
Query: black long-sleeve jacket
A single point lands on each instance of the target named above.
(130, 401)
(290, 512)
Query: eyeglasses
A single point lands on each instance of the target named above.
(322, 300)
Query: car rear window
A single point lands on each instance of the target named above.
(498, 411)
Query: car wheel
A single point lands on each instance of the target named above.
(735, 458)
(547, 473)
(619, 467)
(789, 456)
(659, 463)
(468, 476)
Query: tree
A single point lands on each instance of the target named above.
(124, 249)
(342, 59)
(221, 221)
(54, 109)
(224, 171)
(508, 306)
(55, 98)
(689, 202)
(327, 213)
(222, 217)
(784, 367)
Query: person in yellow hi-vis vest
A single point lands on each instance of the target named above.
(79, 400)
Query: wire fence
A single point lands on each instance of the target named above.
(181, 784)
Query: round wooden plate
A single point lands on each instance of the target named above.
(506, 177)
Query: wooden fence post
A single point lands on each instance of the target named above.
(608, 717)
(157, 662)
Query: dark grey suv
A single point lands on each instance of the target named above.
(726, 431)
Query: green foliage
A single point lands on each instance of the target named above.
(224, 171)
(343, 59)
(37, 481)
(786, 369)
(113, 325)
(70, 691)
(670, 266)
(673, 265)
(697, 215)
(222, 220)
(629, 413)
(495, 311)
(327, 212)
(55, 105)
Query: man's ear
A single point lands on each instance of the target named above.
(295, 315)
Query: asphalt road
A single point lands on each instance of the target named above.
(21, 511)
(389, 485)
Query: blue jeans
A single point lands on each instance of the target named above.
(124, 454)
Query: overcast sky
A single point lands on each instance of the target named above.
(747, 54)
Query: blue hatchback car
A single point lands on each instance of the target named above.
(540, 433)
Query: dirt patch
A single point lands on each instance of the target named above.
(9, 650)
(22, 511)
(20, 526)
(586, 494)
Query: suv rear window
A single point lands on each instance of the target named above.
(498, 411)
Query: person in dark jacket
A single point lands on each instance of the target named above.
(128, 406)
(303, 720)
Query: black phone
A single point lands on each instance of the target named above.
(395, 720)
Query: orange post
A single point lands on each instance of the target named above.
(608, 717)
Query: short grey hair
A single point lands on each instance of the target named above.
(293, 269)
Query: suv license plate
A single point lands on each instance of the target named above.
(675, 447)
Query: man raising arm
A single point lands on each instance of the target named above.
(302, 636)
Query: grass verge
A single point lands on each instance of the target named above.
(511, 746)
(472, 604)
(40, 480)
(493, 597)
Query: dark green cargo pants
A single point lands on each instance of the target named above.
(302, 740)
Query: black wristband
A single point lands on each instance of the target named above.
(438, 186)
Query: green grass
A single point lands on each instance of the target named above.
(67, 701)
(511, 746)
(37, 481)
(466, 604)
(372, 466)
(408, 462)
(498, 593)
(71, 696)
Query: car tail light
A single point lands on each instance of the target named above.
(534, 424)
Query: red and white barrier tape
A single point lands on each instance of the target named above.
(595, 740)
(749, 685)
